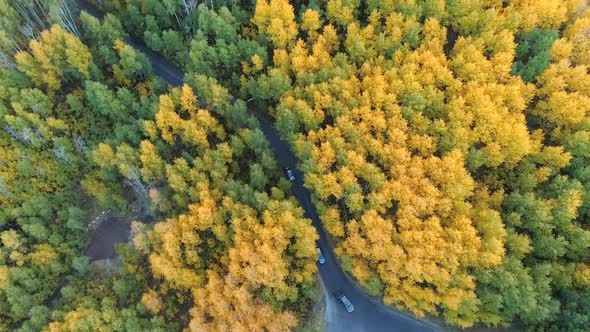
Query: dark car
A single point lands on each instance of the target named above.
(290, 174)
(342, 298)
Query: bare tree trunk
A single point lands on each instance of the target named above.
(6, 61)
(177, 20)
(137, 185)
(44, 9)
(26, 136)
(66, 20)
(35, 14)
(30, 23)
(60, 153)
(15, 46)
(38, 16)
(187, 7)
(80, 144)
(27, 30)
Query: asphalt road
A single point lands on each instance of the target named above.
(368, 315)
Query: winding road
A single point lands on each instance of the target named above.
(369, 315)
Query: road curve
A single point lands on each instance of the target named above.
(368, 315)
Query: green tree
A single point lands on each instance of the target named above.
(533, 53)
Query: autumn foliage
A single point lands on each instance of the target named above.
(446, 145)
(236, 235)
(448, 181)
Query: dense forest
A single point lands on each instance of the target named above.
(446, 145)
(82, 116)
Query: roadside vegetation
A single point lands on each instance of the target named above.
(55, 105)
(450, 171)
(446, 145)
(83, 118)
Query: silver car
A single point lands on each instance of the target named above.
(347, 304)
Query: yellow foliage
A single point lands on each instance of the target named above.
(339, 12)
(139, 236)
(564, 93)
(281, 59)
(152, 301)
(104, 156)
(257, 61)
(361, 270)
(331, 37)
(193, 131)
(225, 305)
(561, 49)
(80, 316)
(153, 164)
(4, 277)
(18, 258)
(545, 14)
(52, 56)
(11, 239)
(188, 100)
(150, 129)
(311, 23)
(331, 219)
(276, 18)
(582, 275)
(578, 33)
(324, 156)
(43, 254)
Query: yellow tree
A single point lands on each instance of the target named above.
(311, 23)
(225, 305)
(56, 56)
(276, 18)
(545, 14)
(152, 164)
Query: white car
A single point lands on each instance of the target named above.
(321, 258)
(290, 174)
(347, 304)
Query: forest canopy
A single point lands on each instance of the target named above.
(446, 145)
(438, 141)
(83, 120)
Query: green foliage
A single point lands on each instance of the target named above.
(450, 186)
(95, 300)
(573, 315)
(373, 286)
(377, 99)
(48, 124)
(185, 151)
(533, 53)
(217, 47)
(80, 264)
